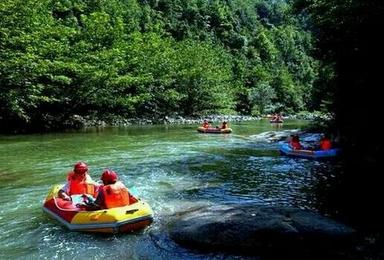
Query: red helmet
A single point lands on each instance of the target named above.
(109, 176)
(80, 167)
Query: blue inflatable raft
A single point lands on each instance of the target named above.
(314, 154)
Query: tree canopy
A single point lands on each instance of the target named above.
(139, 58)
(350, 47)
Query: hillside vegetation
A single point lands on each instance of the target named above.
(150, 59)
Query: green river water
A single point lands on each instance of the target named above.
(171, 167)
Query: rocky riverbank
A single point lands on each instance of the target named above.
(77, 121)
(88, 121)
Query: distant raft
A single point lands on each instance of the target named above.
(213, 130)
(133, 217)
(276, 121)
(285, 149)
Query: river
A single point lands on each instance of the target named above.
(170, 166)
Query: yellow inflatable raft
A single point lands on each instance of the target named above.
(133, 217)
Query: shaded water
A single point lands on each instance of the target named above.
(171, 167)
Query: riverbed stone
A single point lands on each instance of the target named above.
(255, 229)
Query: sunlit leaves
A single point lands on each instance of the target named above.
(150, 58)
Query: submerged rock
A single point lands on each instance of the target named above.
(254, 229)
(274, 136)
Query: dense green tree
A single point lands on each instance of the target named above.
(150, 59)
(21, 31)
(350, 49)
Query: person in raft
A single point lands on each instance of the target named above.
(325, 143)
(78, 182)
(294, 143)
(112, 193)
(224, 125)
(205, 124)
(275, 117)
(279, 117)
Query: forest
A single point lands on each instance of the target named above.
(150, 59)
(349, 45)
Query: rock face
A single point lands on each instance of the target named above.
(253, 229)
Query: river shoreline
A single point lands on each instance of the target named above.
(77, 122)
(88, 121)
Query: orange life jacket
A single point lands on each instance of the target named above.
(205, 125)
(115, 195)
(80, 185)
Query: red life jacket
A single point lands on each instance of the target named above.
(295, 145)
(325, 144)
(115, 195)
(79, 184)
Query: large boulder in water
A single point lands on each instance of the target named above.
(259, 229)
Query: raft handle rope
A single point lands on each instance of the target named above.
(131, 211)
